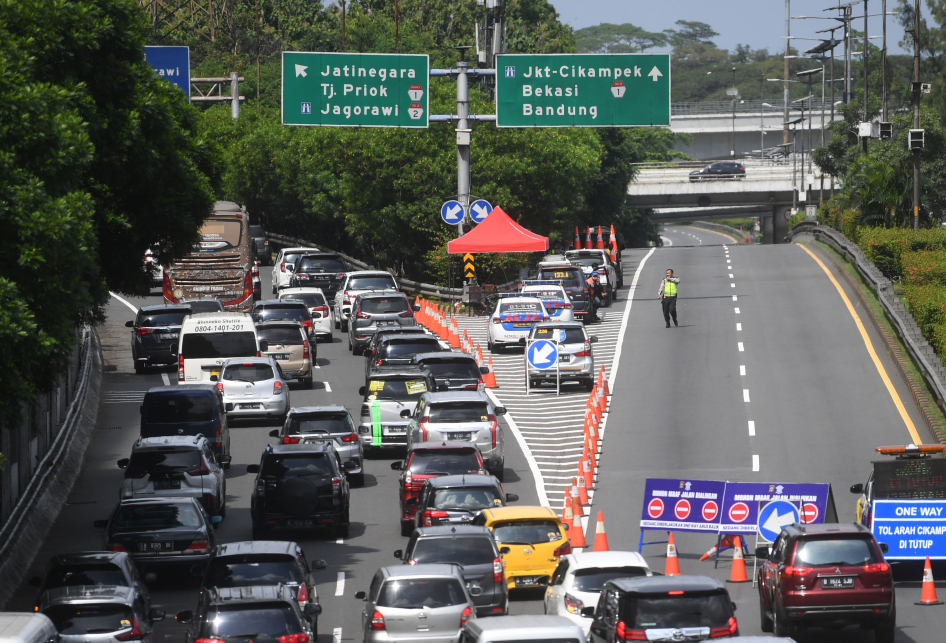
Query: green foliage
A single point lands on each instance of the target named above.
(927, 304)
(886, 248)
(924, 268)
(617, 39)
(690, 32)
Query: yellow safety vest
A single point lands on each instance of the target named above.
(670, 288)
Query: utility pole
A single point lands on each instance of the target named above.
(343, 25)
(847, 53)
(735, 93)
(762, 117)
(397, 31)
(916, 112)
(883, 64)
(463, 138)
(257, 57)
(785, 93)
(866, 41)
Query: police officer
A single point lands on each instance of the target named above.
(668, 297)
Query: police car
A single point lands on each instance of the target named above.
(911, 473)
(512, 319)
(553, 296)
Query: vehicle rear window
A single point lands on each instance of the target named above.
(150, 320)
(218, 345)
(819, 552)
(593, 579)
(291, 257)
(252, 372)
(417, 593)
(297, 465)
(226, 231)
(530, 532)
(384, 305)
(379, 282)
(287, 336)
(206, 306)
(79, 620)
(406, 348)
(573, 334)
(257, 231)
(153, 517)
(545, 294)
(292, 312)
(443, 462)
(312, 300)
(467, 499)
(263, 620)
(176, 408)
(465, 550)
(320, 265)
(571, 276)
(693, 609)
(253, 569)
(164, 461)
(521, 308)
(458, 412)
(461, 368)
(396, 389)
(97, 574)
(327, 422)
(586, 260)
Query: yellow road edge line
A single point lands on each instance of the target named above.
(870, 349)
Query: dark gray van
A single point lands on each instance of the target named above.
(186, 409)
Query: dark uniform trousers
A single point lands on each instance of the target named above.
(670, 308)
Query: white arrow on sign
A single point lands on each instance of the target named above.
(655, 73)
(300, 71)
(775, 522)
(541, 354)
(480, 210)
(454, 212)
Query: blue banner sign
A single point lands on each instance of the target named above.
(172, 64)
(682, 505)
(912, 529)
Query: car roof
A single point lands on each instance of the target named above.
(80, 557)
(278, 303)
(607, 559)
(308, 410)
(403, 571)
(443, 356)
(223, 316)
(377, 294)
(408, 337)
(159, 500)
(244, 547)
(249, 594)
(322, 255)
(299, 249)
(370, 273)
(301, 290)
(521, 512)
(89, 594)
(263, 359)
(526, 627)
(520, 299)
(456, 396)
(561, 324)
(664, 584)
(820, 529)
(398, 370)
(161, 308)
(463, 481)
(178, 388)
(164, 441)
(455, 530)
(226, 207)
(439, 446)
(321, 446)
(279, 323)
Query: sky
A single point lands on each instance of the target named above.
(758, 23)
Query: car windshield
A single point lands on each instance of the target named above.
(291, 257)
(163, 461)
(573, 334)
(292, 312)
(253, 569)
(218, 345)
(96, 574)
(529, 532)
(467, 499)
(155, 517)
(818, 552)
(571, 277)
(521, 308)
(338, 422)
(395, 389)
(249, 372)
(384, 305)
(443, 462)
(285, 336)
(320, 265)
(419, 593)
(586, 260)
(377, 282)
(85, 619)
(257, 231)
(406, 348)
(297, 465)
(459, 368)
(217, 230)
(592, 579)
(688, 610)
(312, 300)
(256, 621)
(151, 320)
(546, 294)
(206, 306)
(458, 412)
(177, 408)
(463, 550)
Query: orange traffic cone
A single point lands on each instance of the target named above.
(595, 432)
(576, 535)
(600, 244)
(582, 489)
(601, 538)
(588, 240)
(602, 401)
(454, 334)
(725, 543)
(607, 389)
(489, 379)
(928, 596)
(577, 511)
(673, 565)
(738, 574)
(577, 239)
(479, 355)
(584, 465)
(567, 517)
(590, 447)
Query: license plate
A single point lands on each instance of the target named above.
(167, 484)
(387, 323)
(250, 406)
(162, 546)
(837, 582)
(168, 336)
(526, 580)
(460, 437)
(396, 429)
(279, 356)
(522, 325)
(300, 523)
(563, 358)
(215, 373)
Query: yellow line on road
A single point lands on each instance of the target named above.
(870, 349)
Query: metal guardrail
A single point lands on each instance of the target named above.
(775, 107)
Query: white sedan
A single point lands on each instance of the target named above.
(512, 320)
(322, 319)
(578, 579)
(254, 387)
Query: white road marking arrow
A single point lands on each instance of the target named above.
(541, 355)
(481, 210)
(300, 71)
(454, 212)
(654, 73)
(775, 522)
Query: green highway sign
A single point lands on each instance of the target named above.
(583, 90)
(355, 90)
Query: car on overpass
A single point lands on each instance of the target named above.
(719, 171)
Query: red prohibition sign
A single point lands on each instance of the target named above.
(739, 512)
(710, 510)
(682, 509)
(809, 513)
(655, 508)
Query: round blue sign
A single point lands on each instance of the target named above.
(775, 516)
(479, 210)
(451, 212)
(542, 355)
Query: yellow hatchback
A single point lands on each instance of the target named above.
(531, 541)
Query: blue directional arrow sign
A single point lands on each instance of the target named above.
(451, 212)
(542, 355)
(479, 210)
(775, 516)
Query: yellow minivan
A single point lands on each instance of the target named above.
(531, 541)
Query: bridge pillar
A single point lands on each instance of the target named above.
(781, 224)
(767, 229)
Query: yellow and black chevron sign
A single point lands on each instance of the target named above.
(469, 268)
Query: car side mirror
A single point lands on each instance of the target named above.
(252, 468)
(130, 324)
(214, 378)
(406, 413)
(123, 463)
(762, 553)
(588, 612)
(361, 391)
(500, 410)
(484, 370)
(361, 596)
(156, 615)
(312, 609)
(397, 466)
(263, 345)
(318, 565)
(593, 339)
(411, 502)
(185, 617)
(398, 553)
(274, 433)
(504, 550)
(857, 488)
(511, 497)
(216, 520)
(883, 547)
(100, 524)
(225, 461)
(416, 308)
(733, 606)
(36, 581)
(349, 465)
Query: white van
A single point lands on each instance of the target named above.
(209, 339)
(26, 627)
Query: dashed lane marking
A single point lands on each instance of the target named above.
(755, 463)
(167, 381)
(751, 428)
(738, 327)
(337, 635)
(741, 347)
(340, 584)
(737, 311)
(745, 395)
(742, 369)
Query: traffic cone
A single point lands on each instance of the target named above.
(673, 565)
(577, 239)
(928, 596)
(602, 401)
(567, 517)
(479, 355)
(489, 379)
(577, 511)
(588, 240)
(724, 544)
(613, 243)
(584, 465)
(576, 535)
(600, 244)
(601, 538)
(591, 448)
(454, 333)
(604, 384)
(593, 434)
(582, 489)
(738, 574)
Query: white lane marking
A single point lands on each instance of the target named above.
(730, 275)
(737, 311)
(666, 240)
(751, 428)
(741, 347)
(745, 396)
(742, 369)
(533, 465)
(738, 327)
(327, 386)
(733, 285)
(734, 298)
(164, 376)
(340, 584)
(337, 635)
(133, 309)
(755, 463)
(728, 260)
(340, 541)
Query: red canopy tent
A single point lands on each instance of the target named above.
(498, 233)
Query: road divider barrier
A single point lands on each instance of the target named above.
(738, 573)
(601, 538)
(672, 567)
(928, 595)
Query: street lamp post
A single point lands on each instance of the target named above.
(916, 112)
(734, 92)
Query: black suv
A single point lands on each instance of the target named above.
(154, 335)
(283, 310)
(322, 270)
(261, 248)
(453, 500)
(253, 613)
(300, 486)
(400, 350)
(474, 550)
(723, 170)
(456, 371)
(662, 608)
(573, 281)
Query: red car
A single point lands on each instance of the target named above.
(828, 575)
(429, 460)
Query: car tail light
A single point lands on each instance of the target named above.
(798, 572)
(423, 429)
(255, 269)
(336, 486)
(220, 386)
(727, 630)
(430, 514)
(408, 477)
(286, 439)
(480, 385)
(406, 313)
(199, 547)
(877, 568)
(260, 487)
(303, 596)
(361, 315)
(301, 274)
(465, 615)
(135, 634)
(180, 368)
(307, 324)
(340, 275)
(493, 426)
(365, 412)
(298, 637)
(564, 550)
(305, 349)
(167, 289)
(218, 439)
(145, 331)
(277, 388)
(209, 641)
(377, 621)
(351, 437)
(573, 605)
(115, 547)
(498, 576)
(282, 267)
(320, 309)
(202, 470)
(496, 320)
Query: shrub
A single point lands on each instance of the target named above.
(927, 304)
(938, 339)
(924, 268)
(847, 224)
(886, 247)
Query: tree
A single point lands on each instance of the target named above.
(689, 33)
(614, 39)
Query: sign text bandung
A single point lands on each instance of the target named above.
(355, 90)
(912, 529)
(583, 90)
